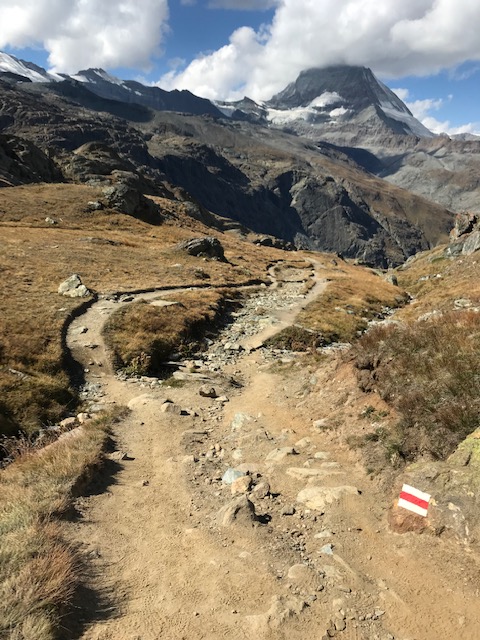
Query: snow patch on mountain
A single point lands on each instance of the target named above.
(11, 64)
(285, 116)
(326, 99)
(95, 75)
(338, 112)
(227, 109)
(415, 126)
(317, 108)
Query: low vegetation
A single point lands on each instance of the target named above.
(352, 298)
(295, 338)
(38, 569)
(111, 252)
(141, 337)
(429, 371)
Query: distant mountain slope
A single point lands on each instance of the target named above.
(107, 86)
(312, 193)
(334, 103)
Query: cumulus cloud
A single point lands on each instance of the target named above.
(422, 110)
(394, 38)
(85, 33)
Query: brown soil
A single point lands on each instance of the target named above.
(163, 566)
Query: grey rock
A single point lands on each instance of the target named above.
(239, 511)
(241, 485)
(240, 420)
(323, 534)
(454, 249)
(279, 454)
(302, 473)
(288, 511)
(231, 475)
(98, 407)
(340, 624)
(77, 331)
(471, 244)
(465, 223)
(209, 247)
(319, 497)
(207, 392)
(72, 287)
(171, 407)
(261, 489)
(327, 549)
(127, 198)
(95, 205)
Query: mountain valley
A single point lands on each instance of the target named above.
(230, 333)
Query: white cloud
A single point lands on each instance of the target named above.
(402, 93)
(86, 33)
(208, 75)
(243, 5)
(394, 38)
(422, 110)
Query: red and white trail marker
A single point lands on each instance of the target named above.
(414, 500)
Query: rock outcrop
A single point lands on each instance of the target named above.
(208, 247)
(73, 287)
(465, 236)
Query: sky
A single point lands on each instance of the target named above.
(428, 51)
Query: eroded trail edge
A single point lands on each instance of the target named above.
(292, 542)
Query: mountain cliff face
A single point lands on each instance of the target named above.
(93, 127)
(336, 103)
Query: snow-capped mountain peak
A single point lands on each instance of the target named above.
(322, 100)
(30, 71)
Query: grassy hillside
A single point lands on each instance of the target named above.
(111, 252)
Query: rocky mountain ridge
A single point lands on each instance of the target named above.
(330, 99)
(275, 182)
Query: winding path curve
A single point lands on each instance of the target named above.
(165, 567)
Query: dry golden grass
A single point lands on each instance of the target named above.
(353, 296)
(38, 570)
(436, 281)
(111, 252)
(141, 337)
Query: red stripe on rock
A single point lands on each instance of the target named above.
(414, 500)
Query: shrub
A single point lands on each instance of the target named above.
(296, 338)
(39, 571)
(430, 372)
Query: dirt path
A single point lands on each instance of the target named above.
(170, 562)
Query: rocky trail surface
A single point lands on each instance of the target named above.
(231, 508)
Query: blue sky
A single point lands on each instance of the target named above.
(428, 50)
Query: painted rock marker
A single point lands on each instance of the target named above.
(414, 500)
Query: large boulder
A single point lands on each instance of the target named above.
(72, 287)
(454, 486)
(127, 197)
(208, 247)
